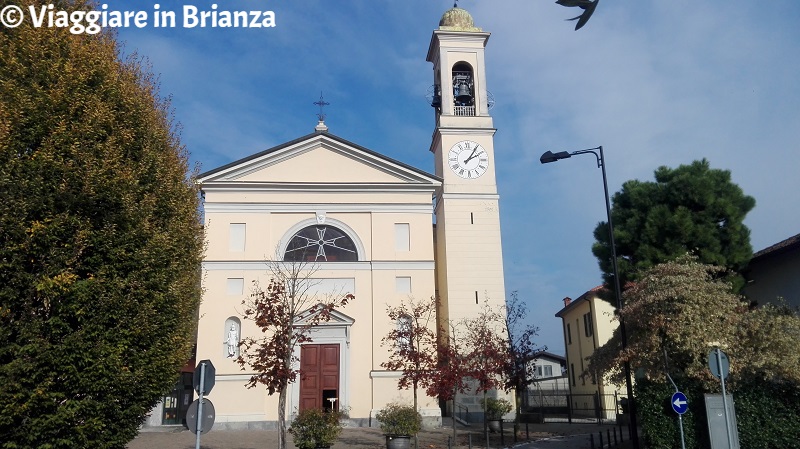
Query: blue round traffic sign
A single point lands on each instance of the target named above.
(679, 403)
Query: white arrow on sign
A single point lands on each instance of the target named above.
(679, 403)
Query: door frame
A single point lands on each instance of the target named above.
(335, 331)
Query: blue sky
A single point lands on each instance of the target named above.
(654, 82)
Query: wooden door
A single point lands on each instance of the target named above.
(319, 376)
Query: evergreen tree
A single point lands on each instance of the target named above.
(692, 208)
(100, 242)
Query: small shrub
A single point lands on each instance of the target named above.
(496, 408)
(314, 428)
(399, 419)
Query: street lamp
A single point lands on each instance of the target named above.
(548, 157)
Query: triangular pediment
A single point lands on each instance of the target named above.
(337, 318)
(319, 158)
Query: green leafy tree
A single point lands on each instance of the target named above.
(767, 340)
(100, 241)
(681, 307)
(692, 208)
(675, 313)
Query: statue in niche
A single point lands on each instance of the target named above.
(232, 341)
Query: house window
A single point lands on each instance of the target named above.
(237, 233)
(543, 371)
(235, 286)
(569, 334)
(403, 285)
(572, 373)
(587, 324)
(402, 237)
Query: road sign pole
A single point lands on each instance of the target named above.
(679, 411)
(724, 398)
(200, 405)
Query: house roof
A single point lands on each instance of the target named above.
(574, 302)
(549, 355)
(792, 243)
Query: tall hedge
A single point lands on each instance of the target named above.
(100, 242)
(767, 413)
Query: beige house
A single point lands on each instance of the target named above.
(588, 324)
(365, 223)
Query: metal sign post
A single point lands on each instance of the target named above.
(200, 390)
(720, 366)
(203, 379)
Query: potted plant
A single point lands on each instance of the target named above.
(315, 428)
(399, 423)
(495, 409)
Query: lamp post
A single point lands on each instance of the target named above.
(548, 157)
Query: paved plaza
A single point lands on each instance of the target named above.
(543, 436)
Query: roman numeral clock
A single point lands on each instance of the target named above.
(468, 159)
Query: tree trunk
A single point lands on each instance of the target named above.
(287, 364)
(485, 422)
(518, 403)
(453, 401)
(416, 441)
(282, 417)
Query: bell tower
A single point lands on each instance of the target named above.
(469, 259)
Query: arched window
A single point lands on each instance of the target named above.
(320, 243)
(463, 89)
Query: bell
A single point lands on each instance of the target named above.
(463, 94)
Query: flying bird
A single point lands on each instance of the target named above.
(587, 6)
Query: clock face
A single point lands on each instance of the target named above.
(468, 159)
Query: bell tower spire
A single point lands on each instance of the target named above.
(469, 260)
(456, 51)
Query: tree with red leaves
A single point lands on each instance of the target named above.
(412, 343)
(487, 351)
(450, 378)
(522, 352)
(285, 312)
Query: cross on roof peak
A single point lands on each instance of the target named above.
(321, 103)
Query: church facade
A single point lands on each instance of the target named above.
(366, 223)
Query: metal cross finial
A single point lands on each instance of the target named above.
(321, 103)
